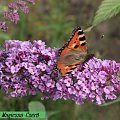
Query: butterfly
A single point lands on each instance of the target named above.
(73, 53)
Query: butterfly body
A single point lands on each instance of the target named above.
(73, 53)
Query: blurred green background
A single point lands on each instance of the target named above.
(53, 21)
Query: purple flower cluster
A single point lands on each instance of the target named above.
(97, 82)
(12, 12)
(28, 68)
(3, 26)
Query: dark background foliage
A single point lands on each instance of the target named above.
(52, 21)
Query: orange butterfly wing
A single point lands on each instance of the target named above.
(73, 52)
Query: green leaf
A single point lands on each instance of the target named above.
(36, 106)
(88, 29)
(107, 9)
(112, 102)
